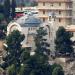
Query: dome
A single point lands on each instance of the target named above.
(32, 20)
(29, 21)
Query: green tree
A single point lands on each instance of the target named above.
(58, 71)
(1, 17)
(54, 66)
(14, 50)
(2, 27)
(41, 42)
(37, 64)
(7, 9)
(63, 41)
(2, 35)
(1, 8)
(13, 6)
(11, 70)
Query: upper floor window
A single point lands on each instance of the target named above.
(43, 19)
(59, 12)
(43, 12)
(43, 3)
(28, 28)
(51, 4)
(59, 4)
(59, 19)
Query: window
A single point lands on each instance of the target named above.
(43, 3)
(28, 28)
(59, 20)
(49, 18)
(59, 12)
(43, 12)
(51, 4)
(59, 4)
(43, 19)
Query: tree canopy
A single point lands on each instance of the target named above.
(63, 41)
(1, 17)
(37, 64)
(19, 61)
(13, 49)
(58, 71)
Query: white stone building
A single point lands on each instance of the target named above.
(27, 25)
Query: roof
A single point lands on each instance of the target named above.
(29, 21)
(32, 21)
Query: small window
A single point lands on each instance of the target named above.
(59, 20)
(28, 28)
(43, 3)
(59, 4)
(43, 12)
(59, 12)
(51, 4)
(43, 19)
(49, 18)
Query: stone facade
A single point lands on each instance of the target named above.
(61, 8)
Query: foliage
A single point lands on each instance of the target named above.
(18, 60)
(13, 6)
(41, 42)
(3, 27)
(58, 71)
(7, 9)
(2, 31)
(63, 41)
(1, 8)
(14, 50)
(11, 70)
(1, 17)
(54, 66)
(37, 64)
(2, 35)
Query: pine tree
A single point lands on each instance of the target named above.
(63, 41)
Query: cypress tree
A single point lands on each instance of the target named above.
(13, 6)
(7, 9)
